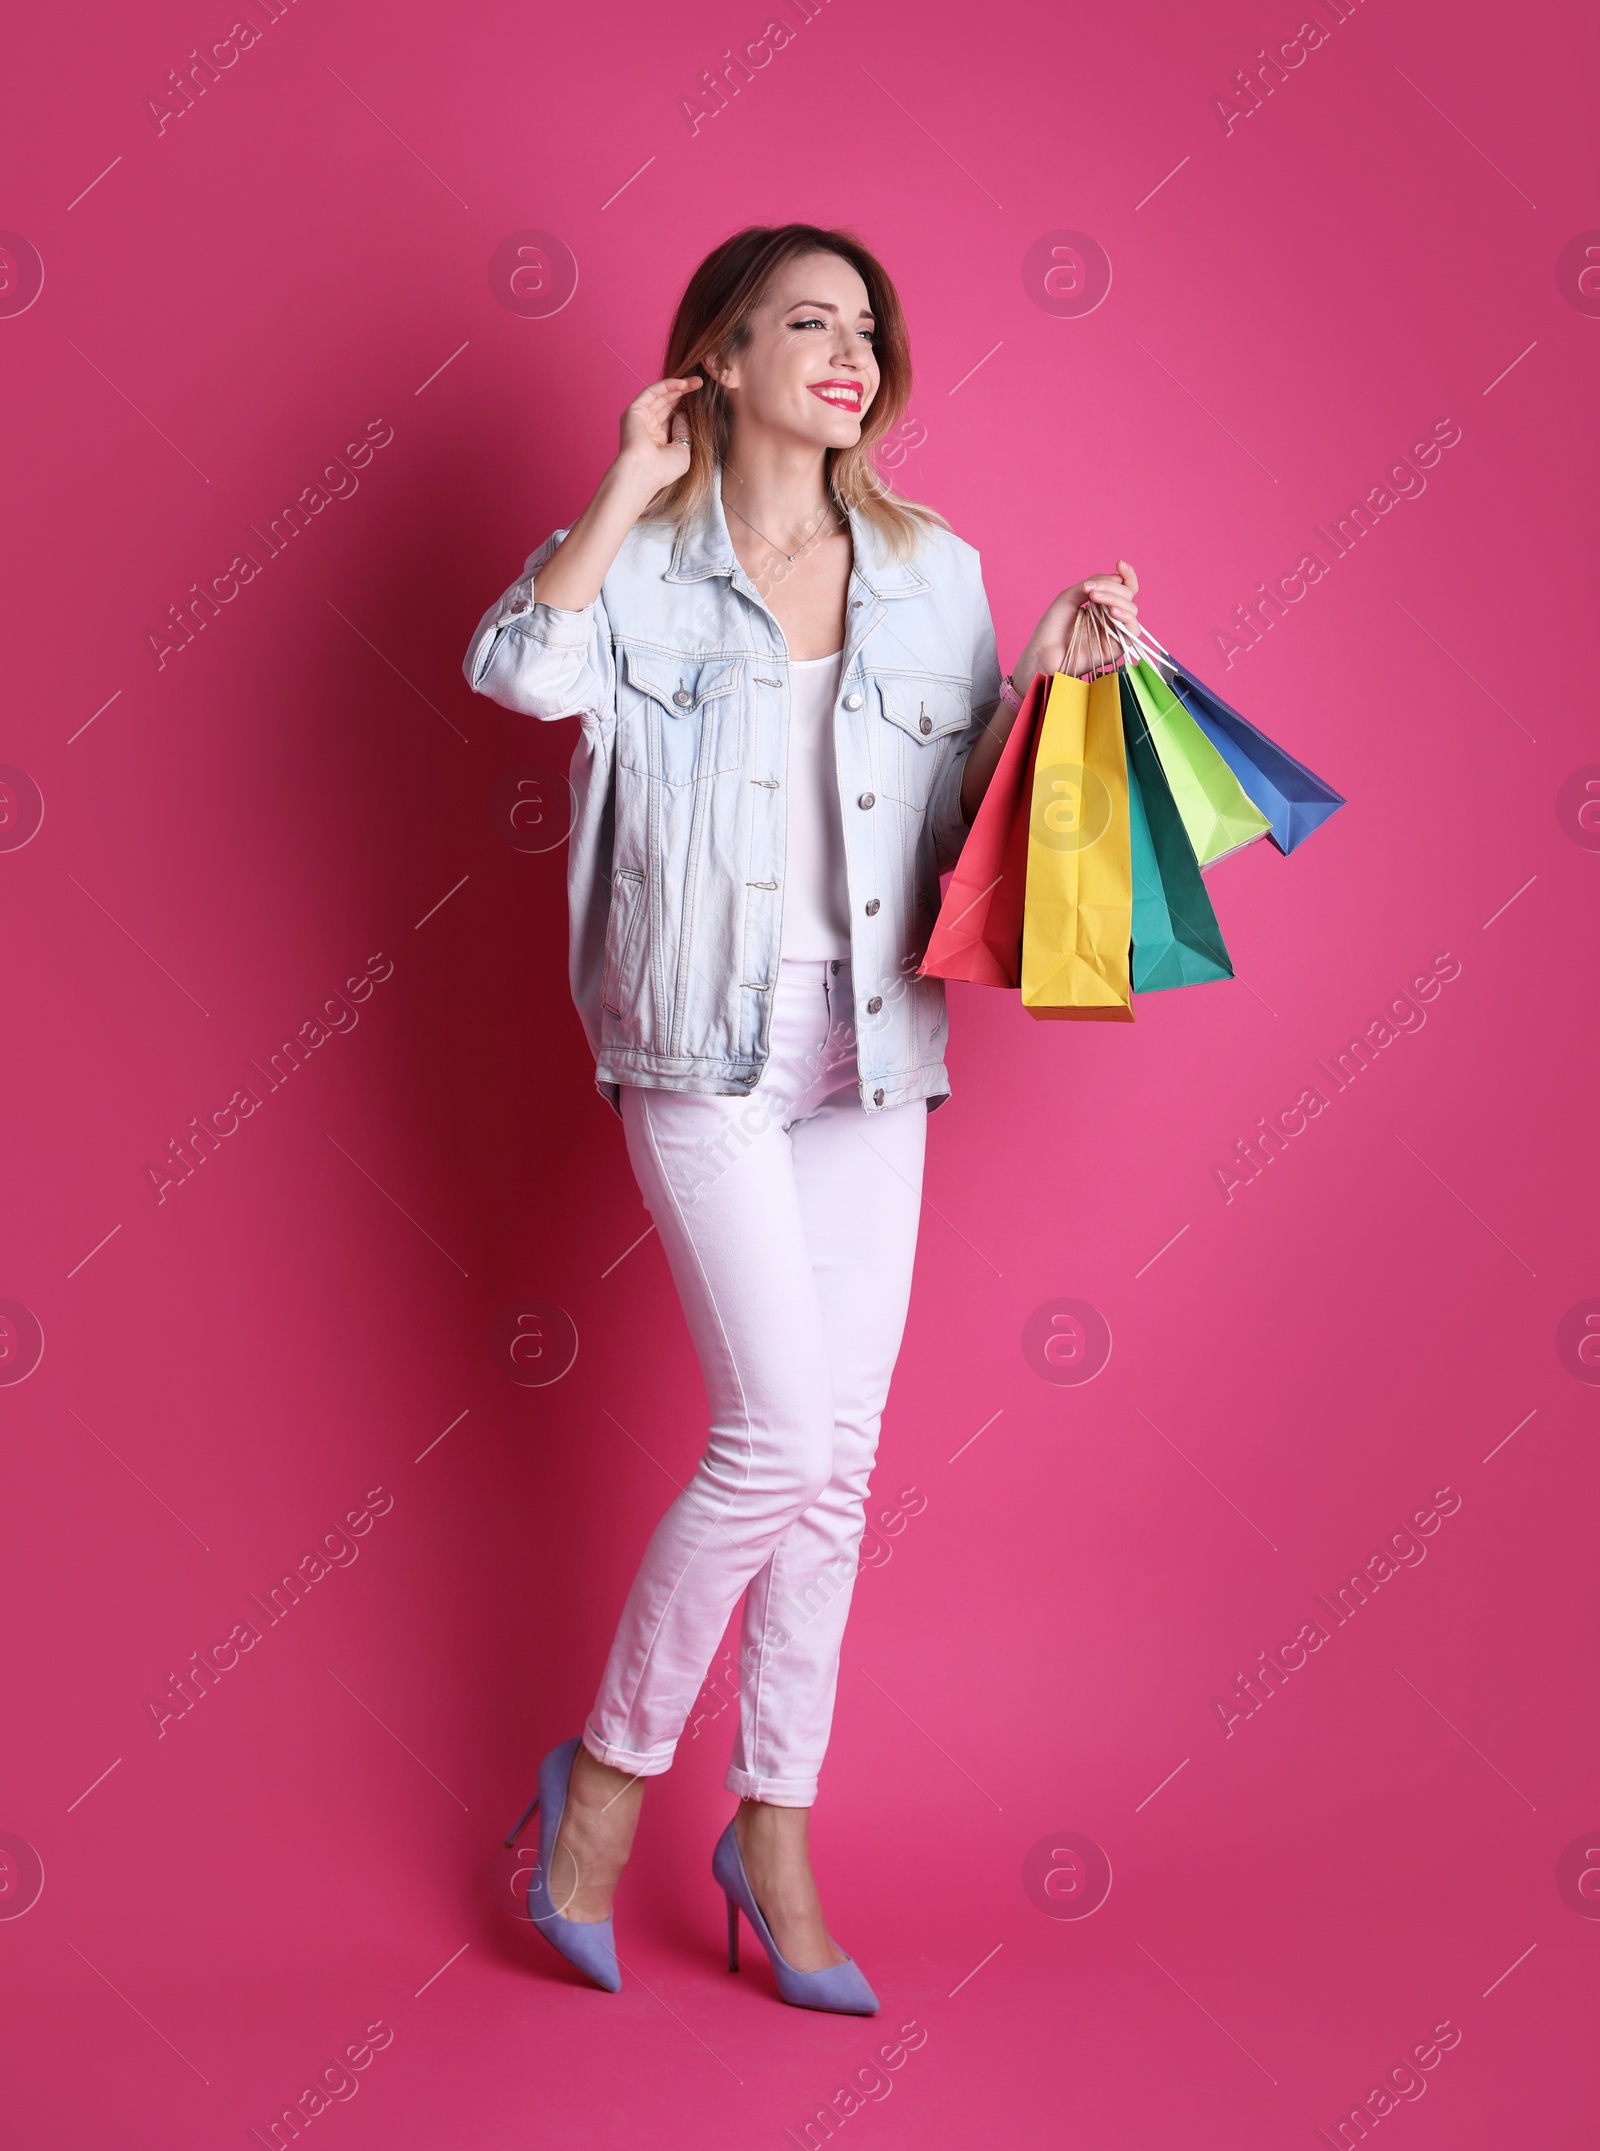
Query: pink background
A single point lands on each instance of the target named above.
(229, 836)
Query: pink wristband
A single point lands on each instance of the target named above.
(1008, 693)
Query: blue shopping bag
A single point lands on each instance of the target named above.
(1294, 799)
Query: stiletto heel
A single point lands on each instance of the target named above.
(839, 1987)
(523, 1824)
(589, 1944)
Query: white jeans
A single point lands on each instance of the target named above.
(789, 1219)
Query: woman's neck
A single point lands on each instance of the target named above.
(776, 485)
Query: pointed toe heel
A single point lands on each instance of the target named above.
(838, 1987)
(589, 1944)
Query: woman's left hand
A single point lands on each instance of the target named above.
(1047, 646)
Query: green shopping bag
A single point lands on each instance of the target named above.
(1216, 812)
(1176, 938)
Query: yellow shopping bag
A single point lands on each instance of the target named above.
(1077, 924)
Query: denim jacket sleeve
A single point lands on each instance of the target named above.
(542, 660)
(948, 823)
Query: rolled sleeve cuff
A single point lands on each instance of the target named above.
(522, 608)
(549, 625)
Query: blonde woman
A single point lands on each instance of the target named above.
(791, 707)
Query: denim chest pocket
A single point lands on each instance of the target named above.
(921, 712)
(678, 718)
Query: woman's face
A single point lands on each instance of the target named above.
(809, 368)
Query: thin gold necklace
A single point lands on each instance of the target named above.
(761, 534)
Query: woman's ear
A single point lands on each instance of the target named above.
(716, 368)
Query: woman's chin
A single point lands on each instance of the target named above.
(824, 425)
(838, 430)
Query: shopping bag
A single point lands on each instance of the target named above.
(1176, 938)
(1078, 909)
(1294, 799)
(1216, 812)
(978, 933)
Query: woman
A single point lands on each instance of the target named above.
(791, 708)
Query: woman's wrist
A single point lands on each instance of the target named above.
(1023, 670)
(628, 484)
(571, 579)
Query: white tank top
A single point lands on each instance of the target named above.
(816, 899)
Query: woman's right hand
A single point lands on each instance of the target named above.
(654, 453)
(655, 435)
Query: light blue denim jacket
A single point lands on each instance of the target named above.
(680, 676)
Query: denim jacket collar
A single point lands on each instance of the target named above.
(704, 547)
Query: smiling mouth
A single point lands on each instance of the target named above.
(844, 395)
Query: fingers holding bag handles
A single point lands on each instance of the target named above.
(1104, 597)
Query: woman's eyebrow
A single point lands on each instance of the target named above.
(826, 306)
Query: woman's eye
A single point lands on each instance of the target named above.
(810, 323)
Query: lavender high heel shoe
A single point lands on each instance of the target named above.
(839, 1987)
(588, 1944)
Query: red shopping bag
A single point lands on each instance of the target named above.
(978, 934)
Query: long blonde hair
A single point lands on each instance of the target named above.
(714, 316)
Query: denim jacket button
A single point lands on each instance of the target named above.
(683, 698)
(877, 1097)
(519, 605)
(852, 701)
(867, 799)
(872, 907)
(925, 723)
(875, 1004)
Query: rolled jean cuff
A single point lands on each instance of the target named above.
(774, 1792)
(638, 1766)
